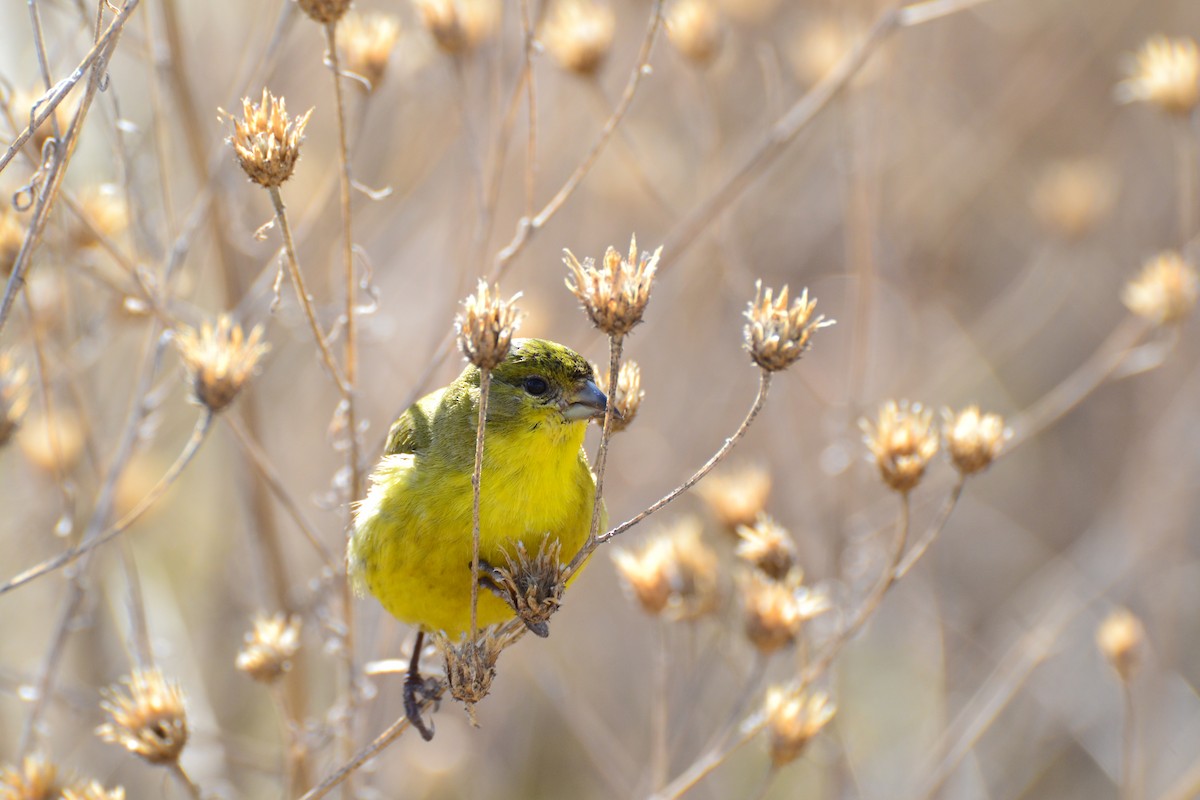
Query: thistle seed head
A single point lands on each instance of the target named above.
(14, 396)
(486, 326)
(147, 718)
(675, 573)
(324, 11)
(793, 718)
(470, 667)
(579, 34)
(459, 26)
(533, 586)
(972, 439)
(628, 397)
(52, 440)
(768, 547)
(106, 210)
(1071, 197)
(694, 28)
(1121, 638)
(1165, 73)
(366, 41)
(269, 647)
(736, 497)
(615, 295)
(903, 441)
(93, 790)
(34, 779)
(1165, 291)
(267, 139)
(219, 360)
(777, 335)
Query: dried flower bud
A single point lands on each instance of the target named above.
(92, 790)
(902, 441)
(486, 326)
(1166, 73)
(1165, 291)
(674, 573)
(777, 335)
(629, 395)
(1120, 638)
(106, 213)
(52, 441)
(267, 139)
(366, 42)
(793, 718)
(614, 296)
(470, 667)
(532, 585)
(770, 613)
(459, 25)
(12, 236)
(1070, 197)
(149, 720)
(736, 497)
(14, 397)
(270, 647)
(35, 779)
(973, 439)
(579, 34)
(219, 360)
(694, 28)
(648, 573)
(324, 11)
(768, 547)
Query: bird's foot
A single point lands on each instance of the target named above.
(418, 691)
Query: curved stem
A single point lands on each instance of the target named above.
(485, 384)
(917, 550)
(181, 775)
(616, 344)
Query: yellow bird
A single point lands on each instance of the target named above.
(412, 542)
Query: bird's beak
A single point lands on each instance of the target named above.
(586, 402)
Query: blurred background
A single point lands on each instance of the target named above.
(968, 209)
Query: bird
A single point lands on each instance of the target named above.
(411, 547)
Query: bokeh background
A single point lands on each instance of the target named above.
(968, 210)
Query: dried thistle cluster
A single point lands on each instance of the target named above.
(579, 34)
(37, 778)
(486, 325)
(615, 294)
(674, 574)
(366, 42)
(324, 11)
(266, 140)
(532, 585)
(793, 718)
(459, 26)
(736, 497)
(219, 360)
(1164, 291)
(269, 647)
(146, 716)
(695, 29)
(629, 395)
(1165, 73)
(1121, 639)
(778, 334)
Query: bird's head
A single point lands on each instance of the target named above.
(544, 382)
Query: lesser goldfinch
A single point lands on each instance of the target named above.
(412, 541)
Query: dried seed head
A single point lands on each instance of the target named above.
(694, 28)
(532, 585)
(20, 105)
(219, 360)
(105, 210)
(903, 441)
(629, 394)
(614, 296)
(793, 719)
(35, 779)
(1164, 72)
(14, 396)
(486, 326)
(817, 49)
(1070, 197)
(736, 497)
(774, 611)
(767, 546)
(470, 667)
(777, 335)
(1120, 638)
(579, 34)
(148, 719)
(52, 441)
(1165, 291)
(92, 790)
(12, 235)
(324, 11)
(674, 573)
(269, 647)
(973, 439)
(366, 42)
(459, 25)
(267, 139)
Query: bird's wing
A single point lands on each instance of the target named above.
(412, 432)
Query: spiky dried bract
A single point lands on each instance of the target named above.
(629, 395)
(615, 295)
(1120, 638)
(366, 42)
(470, 667)
(35, 779)
(903, 441)
(486, 325)
(675, 573)
(324, 11)
(458, 25)
(219, 360)
(12, 236)
(533, 585)
(14, 396)
(736, 497)
(1165, 291)
(147, 718)
(973, 439)
(267, 139)
(93, 790)
(270, 647)
(694, 28)
(793, 718)
(778, 334)
(1071, 197)
(767, 546)
(1165, 73)
(579, 34)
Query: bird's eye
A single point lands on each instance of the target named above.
(536, 386)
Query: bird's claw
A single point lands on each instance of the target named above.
(418, 690)
(492, 579)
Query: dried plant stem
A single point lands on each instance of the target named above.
(177, 770)
(1186, 144)
(485, 384)
(1130, 784)
(302, 294)
(767, 781)
(143, 654)
(531, 86)
(615, 346)
(918, 549)
(660, 709)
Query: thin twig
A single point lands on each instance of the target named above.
(1130, 785)
(485, 384)
(189, 785)
(615, 346)
(917, 550)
